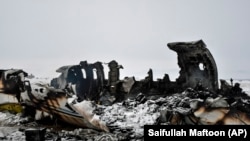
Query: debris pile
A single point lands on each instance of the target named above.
(126, 119)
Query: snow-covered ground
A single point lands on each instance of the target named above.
(244, 84)
(44, 80)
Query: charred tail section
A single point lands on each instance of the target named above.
(197, 65)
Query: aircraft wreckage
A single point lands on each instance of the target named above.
(75, 96)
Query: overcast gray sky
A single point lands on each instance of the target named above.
(40, 36)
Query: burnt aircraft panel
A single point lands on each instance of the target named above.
(197, 65)
(80, 80)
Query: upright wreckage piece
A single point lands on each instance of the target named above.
(75, 95)
(197, 65)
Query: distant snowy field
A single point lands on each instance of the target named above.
(40, 80)
(244, 84)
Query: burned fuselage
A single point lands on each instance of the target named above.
(80, 79)
(197, 65)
